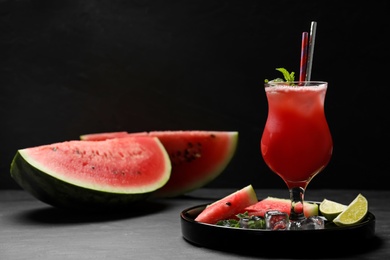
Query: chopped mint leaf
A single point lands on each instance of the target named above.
(229, 223)
(244, 221)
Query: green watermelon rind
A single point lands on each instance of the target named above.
(49, 187)
(43, 187)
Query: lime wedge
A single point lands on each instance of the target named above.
(330, 209)
(354, 213)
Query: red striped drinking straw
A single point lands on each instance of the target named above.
(303, 66)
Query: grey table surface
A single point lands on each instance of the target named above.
(30, 229)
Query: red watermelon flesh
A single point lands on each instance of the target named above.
(114, 165)
(78, 174)
(228, 206)
(283, 205)
(197, 157)
(109, 135)
(105, 136)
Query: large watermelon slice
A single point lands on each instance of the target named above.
(283, 205)
(197, 157)
(93, 175)
(228, 206)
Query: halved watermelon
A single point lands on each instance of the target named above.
(197, 157)
(283, 205)
(93, 175)
(228, 206)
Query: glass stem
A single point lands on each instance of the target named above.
(297, 196)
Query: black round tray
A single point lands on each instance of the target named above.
(290, 243)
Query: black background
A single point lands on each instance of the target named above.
(74, 67)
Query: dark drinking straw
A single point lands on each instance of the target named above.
(312, 39)
(303, 67)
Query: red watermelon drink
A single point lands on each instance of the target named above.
(296, 143)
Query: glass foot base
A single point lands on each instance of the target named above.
(310, 223)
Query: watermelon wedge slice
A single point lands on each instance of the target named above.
(90, 175)
(283, 205)
(197, 157)
(228, 206)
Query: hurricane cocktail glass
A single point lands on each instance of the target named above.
(296, 142)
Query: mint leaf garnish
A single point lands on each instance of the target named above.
(288, 77)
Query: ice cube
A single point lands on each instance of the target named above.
(313, 222)
(244, 222)
(276, 220)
